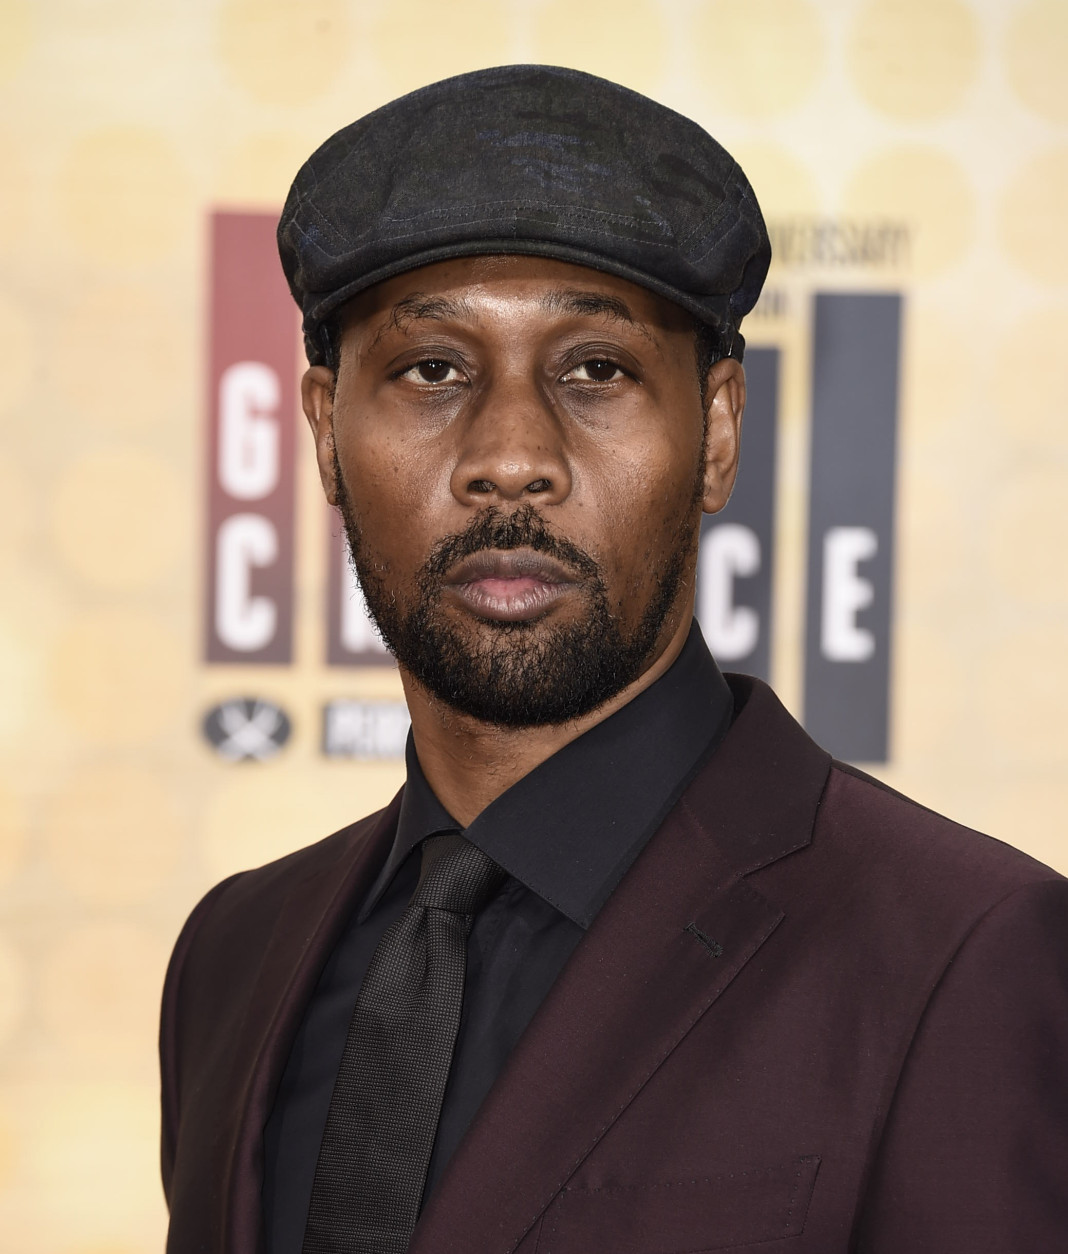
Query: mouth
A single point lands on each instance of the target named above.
(509, 586)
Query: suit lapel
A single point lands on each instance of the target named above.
(679, 928)
(308, 927)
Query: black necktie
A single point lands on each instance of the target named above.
(387, 1098)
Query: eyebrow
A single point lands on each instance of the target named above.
(573, 300)
(418, 307)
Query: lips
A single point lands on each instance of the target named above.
(514, 585)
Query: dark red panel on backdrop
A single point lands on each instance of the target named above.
(253, 346)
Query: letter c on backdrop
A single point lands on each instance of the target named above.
(242, 621)
(728, 551)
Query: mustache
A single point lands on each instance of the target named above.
(523, 528)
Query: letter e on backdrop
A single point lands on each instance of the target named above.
(856, 347)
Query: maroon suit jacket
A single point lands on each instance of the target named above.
(812, 1014)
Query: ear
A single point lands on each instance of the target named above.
(724, 406)
(317, 398)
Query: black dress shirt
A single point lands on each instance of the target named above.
(566, 834)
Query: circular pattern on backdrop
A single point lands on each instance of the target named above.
(936, 540)
(285, 53)
(12, 832)
(119, 676)
(945, 355)
(785, 186)
(914, 59)
(125, 196)
(1025, 717)
(99, 992)
(763, 57)
(104, 1247)
(412, 56)
(113, 834)
(260, 170)
(16, 36)
(624, 42)
(14, 207)
(123, 356)
(1030, 382)
(8, 1148)
(19, 677)
(1032, 216)
(929, 192)
(260, 813)
(14, 988)
(90, 1154)
(119, 517)
(18, 359)
(927, 719)
(1036, 53)
(16, 514)
(1029, 538)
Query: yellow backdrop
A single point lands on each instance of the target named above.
(124, 122)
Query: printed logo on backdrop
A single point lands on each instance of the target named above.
(249, 563)
(246, 729)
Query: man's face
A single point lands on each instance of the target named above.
(521, 455)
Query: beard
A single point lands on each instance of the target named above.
(518, 674)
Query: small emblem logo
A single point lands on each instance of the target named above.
(246, 729)
(365, 730)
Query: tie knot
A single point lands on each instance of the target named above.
(456, 875)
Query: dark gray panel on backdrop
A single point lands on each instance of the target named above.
(856, 350)
(735, 564)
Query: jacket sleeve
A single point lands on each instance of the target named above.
(974, 1154)
(170, 1031)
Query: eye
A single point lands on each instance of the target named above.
(433, 370)
(596, 370)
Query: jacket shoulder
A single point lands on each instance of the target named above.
(970, 944)
(887, 828)
(221, 950)
(819, 830)
(903, 884)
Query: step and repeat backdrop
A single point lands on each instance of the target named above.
(188, 681)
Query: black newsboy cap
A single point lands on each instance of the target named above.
(525, 159)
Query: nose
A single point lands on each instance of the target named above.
(512, 449)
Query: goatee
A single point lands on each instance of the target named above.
(518, 674)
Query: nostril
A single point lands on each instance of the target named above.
(481, 486)
(539, 485)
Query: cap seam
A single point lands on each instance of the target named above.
(506, 223)
(515, 205)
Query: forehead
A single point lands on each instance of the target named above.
(470, 288)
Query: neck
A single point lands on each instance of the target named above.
(469, 763)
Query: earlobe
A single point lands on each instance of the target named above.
(317, 398)
(724, 407)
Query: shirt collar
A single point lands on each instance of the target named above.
(570, 829)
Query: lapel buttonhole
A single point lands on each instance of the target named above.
(713, 947)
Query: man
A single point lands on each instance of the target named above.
(630, 964)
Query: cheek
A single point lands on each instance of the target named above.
(643, 500)
(390, 485)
